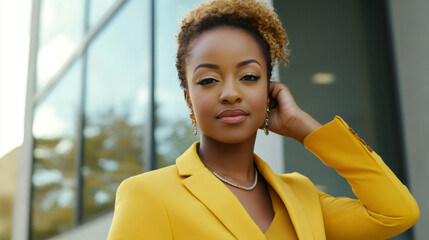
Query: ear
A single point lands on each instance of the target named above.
(271, 102)
(268, 93)
(187, 98)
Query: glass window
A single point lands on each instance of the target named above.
(116, 106)
(173, 129)
(60, 31)
(340, 66)
(54, 175)
(97, 10)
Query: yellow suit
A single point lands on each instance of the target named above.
(186, 201)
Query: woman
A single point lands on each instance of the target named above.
(218, 188)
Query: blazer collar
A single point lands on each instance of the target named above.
(226, 207)
(189, 162)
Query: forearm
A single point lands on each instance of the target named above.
(385, 205)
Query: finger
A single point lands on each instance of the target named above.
(274, 89)
(280, 94)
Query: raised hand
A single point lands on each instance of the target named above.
(285, 117)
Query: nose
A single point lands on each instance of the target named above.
(230, 92)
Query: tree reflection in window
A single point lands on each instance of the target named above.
(113, 152)
(54, 178)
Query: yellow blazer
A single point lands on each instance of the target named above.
(186, 201)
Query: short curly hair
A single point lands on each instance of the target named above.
(253, 16)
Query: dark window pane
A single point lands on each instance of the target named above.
(54, 171)
(340, 66)
(116, 106)
(60, 31)
(173, 129)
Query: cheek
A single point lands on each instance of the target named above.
(261, 108)
(260, 102)
(259, 96)
(202, 105)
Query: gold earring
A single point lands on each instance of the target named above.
(194, 122)
(266, 131)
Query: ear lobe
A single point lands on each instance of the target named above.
(269, 101)
(187, 98)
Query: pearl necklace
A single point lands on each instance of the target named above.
(235, 184)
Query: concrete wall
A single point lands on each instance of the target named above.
(95, 229)
(410, 30)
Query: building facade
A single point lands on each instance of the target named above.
(104, 102)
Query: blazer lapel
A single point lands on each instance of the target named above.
(216, 196)
(293, 206)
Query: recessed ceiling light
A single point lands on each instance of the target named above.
(323, 78)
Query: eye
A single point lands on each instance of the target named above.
(206, 81)
(250, 77)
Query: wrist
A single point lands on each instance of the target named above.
(302, 126)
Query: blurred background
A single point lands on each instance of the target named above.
(89, 96)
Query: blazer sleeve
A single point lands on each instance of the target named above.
(139, 214)
(384, 207)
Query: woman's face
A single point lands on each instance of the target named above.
(227, 84)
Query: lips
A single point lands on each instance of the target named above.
(232, 116)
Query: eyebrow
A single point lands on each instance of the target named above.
(243, 63)
(214, 66)
(207, 65)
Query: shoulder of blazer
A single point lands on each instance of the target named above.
(162, 181)
(156, 179)
(295, 176)
(298, 182)
(140, 210)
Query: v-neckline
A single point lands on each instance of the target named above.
(273, 204)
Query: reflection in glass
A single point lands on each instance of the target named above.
(61, 28)
(116, 106)
(173, 130)
(54, 170)
(97, 9)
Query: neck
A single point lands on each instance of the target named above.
(232, 160)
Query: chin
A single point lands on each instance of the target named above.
(232, 137)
